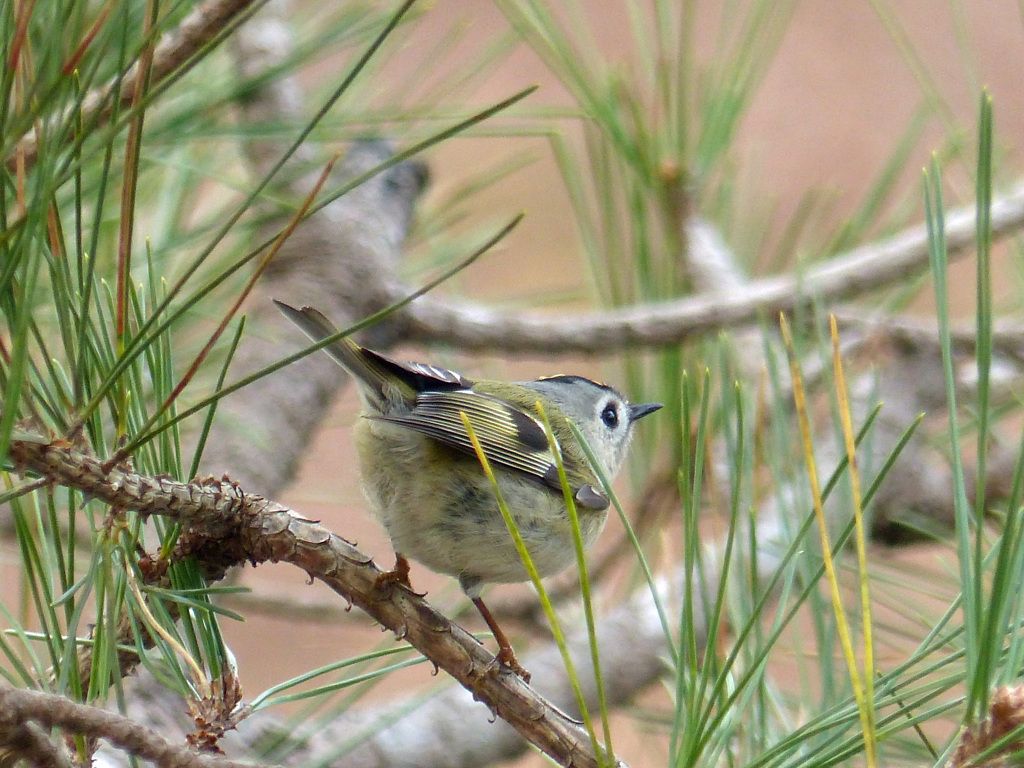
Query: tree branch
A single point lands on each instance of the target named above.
(869, 267)
(206, 22)
(244, 527)
(22, 740)
(29, 709)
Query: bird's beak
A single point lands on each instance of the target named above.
(639, 410)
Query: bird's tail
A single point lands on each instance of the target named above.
(373, 377)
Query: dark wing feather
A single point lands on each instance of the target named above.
(509, 436)
(420, 376)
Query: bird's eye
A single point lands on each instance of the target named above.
(610, 416)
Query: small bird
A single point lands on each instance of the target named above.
(424, 481)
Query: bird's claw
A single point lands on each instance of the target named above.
(397, 576)
(507, 658)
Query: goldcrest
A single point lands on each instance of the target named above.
(424, 481)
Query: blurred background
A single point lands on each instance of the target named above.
(796, 130)
(849, 96)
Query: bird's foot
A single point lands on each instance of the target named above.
(507, 658)
(397, 576)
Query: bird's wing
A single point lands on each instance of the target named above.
(509, 436)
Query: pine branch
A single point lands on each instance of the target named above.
(28, 710)
(219, 516)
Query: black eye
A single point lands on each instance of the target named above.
(610, 416)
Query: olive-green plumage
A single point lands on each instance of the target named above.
(425, 483)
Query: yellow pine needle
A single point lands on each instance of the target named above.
(549, 611)
(843, 629)
(867, 702)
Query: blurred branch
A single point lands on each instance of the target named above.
(338, 260)
(206, 22)
(342, 260)
(1007, 336)
(28, 710)
(869, 267)
(26, 741)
